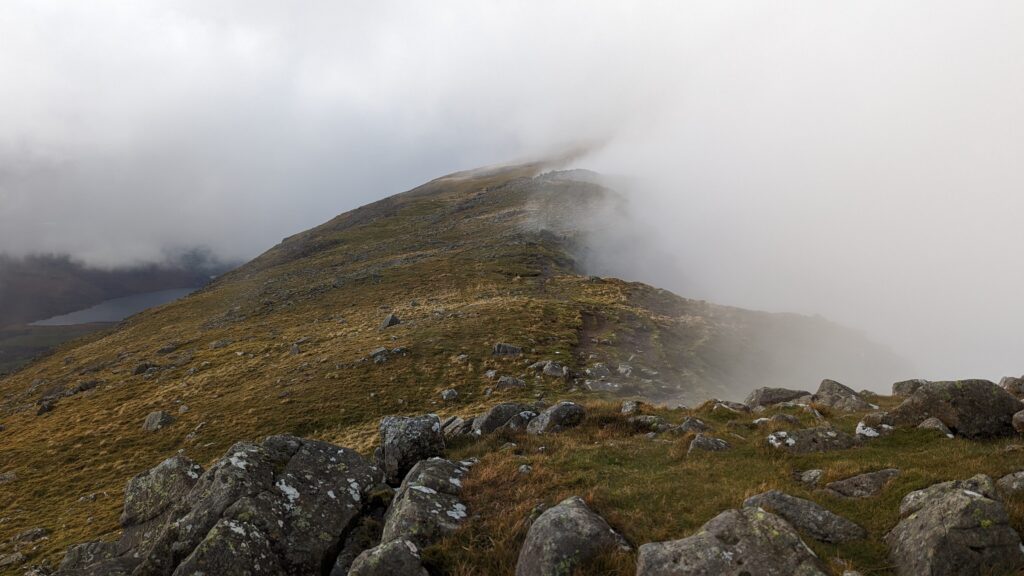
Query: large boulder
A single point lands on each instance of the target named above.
(955, 528)
(970, 408)
(839, 397)
(497, 416)
(807, 516)
(734, 543)
(768, 396)
(426, 506)
(822, 439)
(406, 441)
(557, 418)
(275, 508)
(862, 485)
(149, 497)
(564, 538)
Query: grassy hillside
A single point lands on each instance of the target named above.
(282, 345)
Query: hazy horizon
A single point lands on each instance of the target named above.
(853, 160)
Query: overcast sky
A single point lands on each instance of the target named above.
(861, 160)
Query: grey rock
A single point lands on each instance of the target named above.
(395, 558)
(561, 416)
(1018, 421)
(631, 407)
(955, 528)
(934, 423)
(971, 408)
(157, 420)
(704, 443)
(786, 419)
(525, 469)
(406, 441)
(506, 382)
(1013, 385)
(501, 349)
(564, 538)
(497, 416)
(449, 394)
(729, 406)
(866, 432)
(389, 321)
(907, 387)
(807, 516)
(743, 542)
(648, 423)
(518, 422)
(599, 371)
(148, 499)
(491, 374)
(457, 427)
(12, 559)
(768, 396)
(862, 485)
(839, 397)
(692, 424)
(1011, 485)
(822, 439)
(143, 367)
(810, 477)
(426, 507)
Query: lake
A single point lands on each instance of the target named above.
(117, 309)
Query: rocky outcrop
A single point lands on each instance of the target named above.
(970, 408)
(426, 506)
(955, 528)
(276, 508)
(734, 543)
(406, 441)
(564, 538)
(862, 485)
(768, 396)
(820, 439)
(557, 418)
(807, 516)
(839, 397)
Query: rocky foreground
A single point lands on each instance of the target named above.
(291, 506)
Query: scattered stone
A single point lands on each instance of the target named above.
(599, 371)
(557, 418)
(955, 528)
(426, 507)
(934, 423)
(807, 516)
(821, 439)
(973, 409)
(1011, 485)
(768, 396)
(183, 409)
(907, 387)
(839, 397)
(862, 485)
(525, 469)
(736, 542)
(728, 406)
(167, 348)
(564, 538)
(702, 442)
(648, 423)
(143, 368)
(497, 416)
(12, 559)
(217, 344)
(506, 382)
(785, 419)
(295, 350)
(865, 431)
(810, 477)
(501, 349)
(395, 558)
(31, 535)
(631, 407)
(389, 321)
(379, 355)
(157, 420)
(406, 441)
(692, 424)
(449, 394)
(491, 374)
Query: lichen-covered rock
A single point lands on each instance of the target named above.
(279, 508)
(862, 485)
(865, 431)
(839, 397)
(506, 382)
(1013, 385)
(149, 497)
(820, 439)
(691, 424)
(934, 423)
(805, 515)
(809, 477)
(955, 528)
(565, 537)
(497, 416)
(971, 408)
(519, 422)
(406, 441)
(704, 443)
(648, 423)
(1011, 485)
(743, 542)
(631, 407)
(768, 396)
(557, 418)
(157, 420)
(907, 387)
(395, 558)
(1018, 421)
(457, 427)
(426, 506)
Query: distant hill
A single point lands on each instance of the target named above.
(294, 342)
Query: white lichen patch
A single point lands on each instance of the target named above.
(458, 511)
(289, 492)
(423, 489)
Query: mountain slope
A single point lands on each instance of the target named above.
(285, 344)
